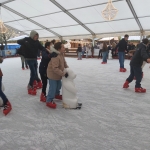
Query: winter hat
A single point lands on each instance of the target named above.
(33, 33)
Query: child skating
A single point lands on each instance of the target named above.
(55, 73)
(6, 104)
(136, 63)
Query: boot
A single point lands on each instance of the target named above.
(126, 85)
(43, 97)
(23, 68)
(58, 97)
(7, 108)
(39, 85)
(34, 83)
(140, 90)
(27, 67)
(31, 90)
(51, 104)
(123, 70)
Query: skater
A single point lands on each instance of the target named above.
(122, 47)
(55, 72)
(104, 53)
(136, 63)
(47, 54)
(83, 51)
(6, 104)
(79, 51)
(100, 50)
(32, 45)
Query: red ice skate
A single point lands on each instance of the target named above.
(39, 85)
(43, 97)
(58, 97)
(7, 108)
(123, 69)
(51, 104)
(23, 68)
(126, 85)
(140, 90)
(103, 62)
(32, 91)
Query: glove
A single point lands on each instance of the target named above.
(53, 55)
(66, 75)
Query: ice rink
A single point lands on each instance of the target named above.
(111, 118)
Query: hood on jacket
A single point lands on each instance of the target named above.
(33, 33)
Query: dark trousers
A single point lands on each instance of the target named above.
(44, 82)
(104, 56)
(23, 61)
(100, 53)
(121, 59)
(33, 71)
(2, 95)
(137, 72)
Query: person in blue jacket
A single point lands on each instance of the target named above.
(47, 54)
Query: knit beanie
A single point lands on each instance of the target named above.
(33, 33)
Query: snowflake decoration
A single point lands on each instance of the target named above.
(110, 12)
(3, 29)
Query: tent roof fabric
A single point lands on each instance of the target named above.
(75, 18)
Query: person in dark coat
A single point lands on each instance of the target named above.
(32, 45)
(122, 47)
(140, 55)
(79, 51)
(47, 54)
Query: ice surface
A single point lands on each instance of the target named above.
(112, 118)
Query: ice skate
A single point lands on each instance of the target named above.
(123, 70)
(34, 83)
(39, 85)
(51, 104)
(140, 90)
(58, 97)
(126, 85)
(31, 90)
(7, 108)
(43, 97)
(23, 68)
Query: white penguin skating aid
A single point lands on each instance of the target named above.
(69, 92)
(110, 55)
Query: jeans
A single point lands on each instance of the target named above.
(137, 72)
(104, 56)
(2, 95)
(121, 59)
(44, 82)
(54, 89)
(79, 55)
(23, 61)
(33, 71)
(100, 54)
(83, 53)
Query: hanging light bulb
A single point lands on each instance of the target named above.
(3, 29)
(110, 12)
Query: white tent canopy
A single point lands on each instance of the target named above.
(18, 38)
(76, 18)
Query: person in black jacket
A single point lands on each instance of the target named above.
(79, 51)
(136, 63)
(47, 54)
(122, 47)
(32, 45)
